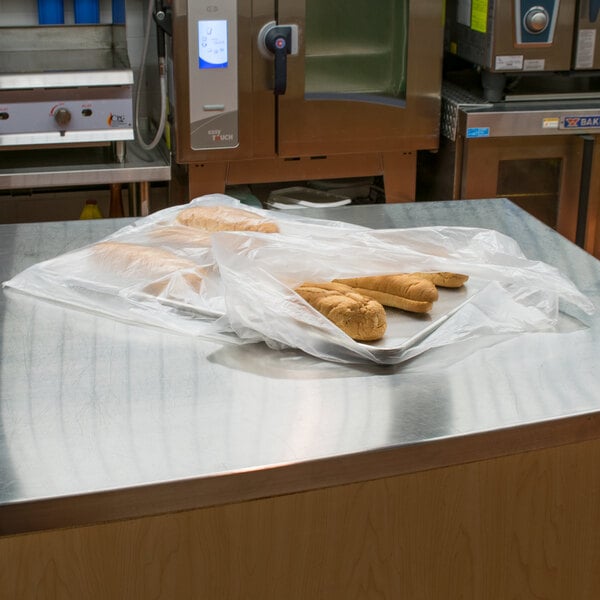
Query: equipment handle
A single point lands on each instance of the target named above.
(278, 40)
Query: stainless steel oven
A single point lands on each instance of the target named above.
(523, 36)
(280, 90)
(543, 155)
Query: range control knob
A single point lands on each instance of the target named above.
(536, 19)
(62, 116)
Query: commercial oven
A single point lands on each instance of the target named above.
(542, 154)
(523, 36)
(281, 90)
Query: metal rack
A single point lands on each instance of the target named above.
(87, 166)
(66, 112)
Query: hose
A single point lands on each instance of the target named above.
(162, 73)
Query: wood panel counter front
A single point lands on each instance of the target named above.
(139, 464)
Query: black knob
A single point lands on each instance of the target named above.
(62, 116)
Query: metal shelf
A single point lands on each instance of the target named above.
(82, 166)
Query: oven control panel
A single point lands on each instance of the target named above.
(536, 21)
(213, 74)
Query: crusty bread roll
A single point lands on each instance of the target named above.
(179, 236)
(360, 317)
(135, 262)
(405, 286)
(225, 218)
(444, 279)
(393, 301)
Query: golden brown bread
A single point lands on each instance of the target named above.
(444, 278)
(138, 263)
(225, 218)
(180, 236)
(403, 285)
(360, 317)
(394, 301)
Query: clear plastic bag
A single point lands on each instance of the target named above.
(167, 299)
(247, 282)
(509, 294)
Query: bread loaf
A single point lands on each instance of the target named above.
(360, 317)
(402, 285)
(444, 279)
(225, 218)
(135, 262)
(393, 301)
(180, 236)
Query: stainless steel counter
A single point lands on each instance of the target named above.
(100, 420)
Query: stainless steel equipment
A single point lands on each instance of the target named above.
(305, 89)
(541, 154)
(65, 85)
(524, 123)
(523, 36)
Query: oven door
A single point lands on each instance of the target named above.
(366, 77)
(541, 175)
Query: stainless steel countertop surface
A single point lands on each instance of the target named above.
(100, 419)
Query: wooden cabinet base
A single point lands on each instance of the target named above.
(522, 526)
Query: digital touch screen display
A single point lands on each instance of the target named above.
(212, 44)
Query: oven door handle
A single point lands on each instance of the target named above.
(277, 41)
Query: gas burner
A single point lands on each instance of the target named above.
(64, 85)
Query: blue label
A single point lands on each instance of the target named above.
(478, 132)
(581, 122)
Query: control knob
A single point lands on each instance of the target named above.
(62, 116)
(536, 19)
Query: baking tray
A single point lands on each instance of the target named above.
(302, 197)
(405, 329)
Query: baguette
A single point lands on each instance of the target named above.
(416, 306)
(402, 285)
(180, 236)
(444, 279)
(358, 316)
(225, 218)
(134, 262)
(381, 297)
